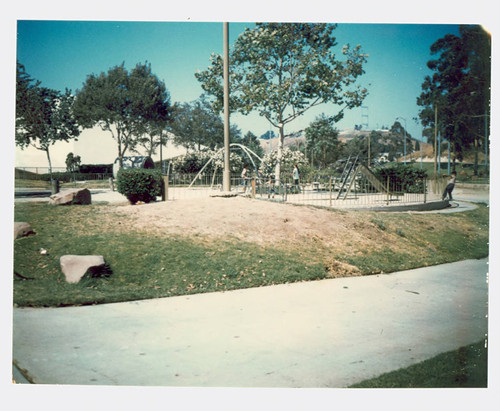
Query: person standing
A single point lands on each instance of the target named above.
(244, 178)
(450, 186)
(296, 177)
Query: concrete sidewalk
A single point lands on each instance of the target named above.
(329, 333)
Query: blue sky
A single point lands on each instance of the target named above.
(62, 53)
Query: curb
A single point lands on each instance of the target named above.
(431, 206)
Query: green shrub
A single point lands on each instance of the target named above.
(67, 176)
(139, 184)
(96, 169)
(406, 178)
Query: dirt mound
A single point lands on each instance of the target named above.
(254, 221)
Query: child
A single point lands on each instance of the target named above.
(296, 176)
(244, 178)
(270, 182)
(451, 185)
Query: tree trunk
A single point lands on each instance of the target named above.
(50, 163)
(120, 154)
(279, 154)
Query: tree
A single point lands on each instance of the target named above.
(251, 141)
(72, 162)
(196, 125)
(397, 135)
(283, 70)
(43, 116)
(268, 135)
(125, 104)
(458, 93)
(155, 112)
(370, 147)
(322, 141)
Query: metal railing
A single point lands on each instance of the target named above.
(330, 192)
(325, 191)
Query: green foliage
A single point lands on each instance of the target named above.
(139, 184)
(43, 116)
(196, 125)
(406, 178)
(289, 158)
(251, 141)
(268, 135)
(193, 162)
(96, 168)
(72, 162)
(66, 177)
(458, 91)
(126, 104)
(281, 70)
(322, 141)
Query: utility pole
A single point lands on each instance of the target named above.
(435, 138)
(226, 177)
(369, 150)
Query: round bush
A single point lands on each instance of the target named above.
(139, 184)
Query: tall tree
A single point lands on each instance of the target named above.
(126, 104)
(155, 116)
(196, 125)
(268, 135)
(458, 92)
(43, 116)
(72, 162)
(251, 141)
(322, 141)
(283, 70)
(397, 135)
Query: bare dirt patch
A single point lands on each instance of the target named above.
(254, 221)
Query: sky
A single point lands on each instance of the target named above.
(62, 52)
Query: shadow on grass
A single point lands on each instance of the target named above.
(466, 367)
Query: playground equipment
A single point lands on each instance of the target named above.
(352, 169)
(245, 149)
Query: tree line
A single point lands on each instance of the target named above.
(455, 99)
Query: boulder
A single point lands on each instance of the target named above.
(22, 230)
(74, 267)
(71, 196)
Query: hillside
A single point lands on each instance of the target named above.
(346, 135)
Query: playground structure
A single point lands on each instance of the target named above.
(245, 150)
(356, 187)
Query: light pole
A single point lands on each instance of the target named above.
(404, 142)
(226, 177)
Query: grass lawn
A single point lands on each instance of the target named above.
(148, 263)
(466, 367)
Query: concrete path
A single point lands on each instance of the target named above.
(329, 333)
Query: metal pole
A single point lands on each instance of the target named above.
(439, 152)
(369, 151)
(330, 190)
(405, 143)
(435, 139)
(421, 154)
(387, 190)
(226, 177)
